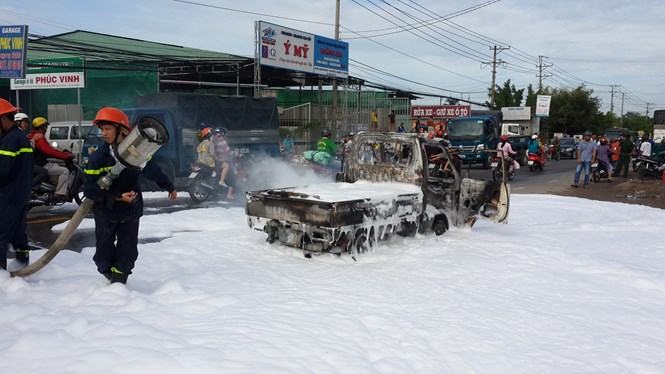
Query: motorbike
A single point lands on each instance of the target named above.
(203, 183)
(498, 167)
(535, 162)
(299, 162)
(43, 194)
(598, 172)
(648, 168)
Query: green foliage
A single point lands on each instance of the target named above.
(636, 122)
(573, 111)
(451, 101)
(506, 96)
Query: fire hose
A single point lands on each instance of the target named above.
(135, 150)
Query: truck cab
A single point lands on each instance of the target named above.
(474, 135)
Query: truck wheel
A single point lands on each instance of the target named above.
(440, 225)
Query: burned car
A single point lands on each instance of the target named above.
(390, 184)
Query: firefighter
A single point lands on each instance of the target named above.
(15, 184)
(117, 211)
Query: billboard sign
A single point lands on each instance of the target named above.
(440, 111)
(543, 105)
(13, 51)
(516, 113)
(52, 73)
(286, 48)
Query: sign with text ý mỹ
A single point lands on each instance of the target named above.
(13, 49)
(286, 48)
(52, 73)
(440, 111)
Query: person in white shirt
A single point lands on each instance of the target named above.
(645, 147)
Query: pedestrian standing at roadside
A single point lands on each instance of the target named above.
(645, 147)
(391, 121)
(586, 155)
(374, 118)
(624, 158)
(15, 184)
(615, 146)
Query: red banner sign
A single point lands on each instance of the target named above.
(440, 111)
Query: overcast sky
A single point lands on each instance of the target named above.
(600, 41)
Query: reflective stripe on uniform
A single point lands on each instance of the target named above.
(97, 171)
(14, 154)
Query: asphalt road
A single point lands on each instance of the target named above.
(556, 177)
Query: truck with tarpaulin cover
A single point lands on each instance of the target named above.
(252, 125)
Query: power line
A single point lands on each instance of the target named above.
(440, 43)
(395, 30)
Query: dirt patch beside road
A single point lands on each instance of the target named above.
(632, 191)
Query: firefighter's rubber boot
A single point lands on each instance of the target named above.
(22, 256)
(118, 276)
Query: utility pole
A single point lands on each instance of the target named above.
(646, 114)
(612, 87)
(494, 63)
(541, 76)
(334, 90)
(622, 96)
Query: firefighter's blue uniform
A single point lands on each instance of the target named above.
(15, 189)
(116, 219)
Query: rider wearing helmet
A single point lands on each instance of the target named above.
(23, 121)
(15, 182)
(505, 151)
(118, 209)
(325, 144)
(44, 151)
(205, 151)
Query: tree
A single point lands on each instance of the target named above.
(506, 96)
(604, 121)
(636, 122)
(572, 111)
(452, 101)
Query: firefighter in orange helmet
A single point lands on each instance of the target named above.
(117, 210)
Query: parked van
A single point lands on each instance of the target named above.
(66, 135)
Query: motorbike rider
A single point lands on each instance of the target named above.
(505, 150)
(325, 144)
(603, 155)
(43, 151)
(224, 159)
(15, 181)
(23, 121)
(117, 211)
(205, 151)
(39, 173)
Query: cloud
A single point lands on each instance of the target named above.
(603, 41)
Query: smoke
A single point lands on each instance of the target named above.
(277, 173)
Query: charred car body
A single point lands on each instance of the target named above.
(391, 184)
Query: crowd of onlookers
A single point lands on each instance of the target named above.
(613, 155)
